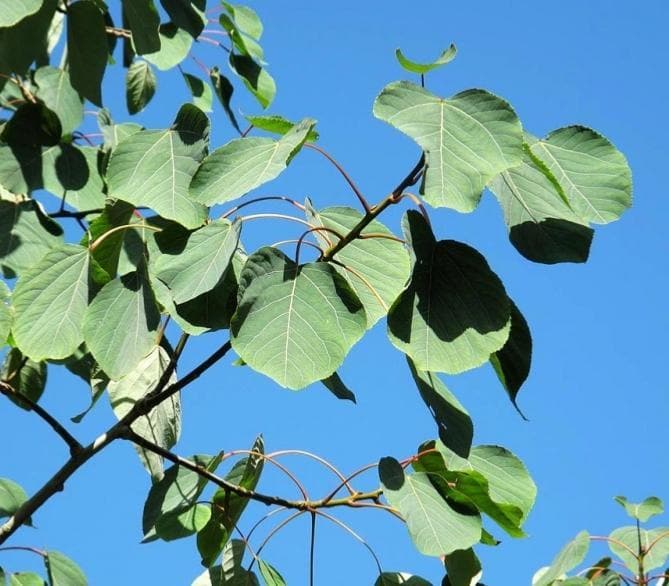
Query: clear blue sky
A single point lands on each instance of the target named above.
(597, 395)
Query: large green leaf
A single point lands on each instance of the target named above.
(56, 91)
(187, 14)
(26, 235)
(644, 510)
(294, 323)
(378, 268)
(467, 140)
(153, 168)
(453, 421)
(244, 164)
(162, 424)
(626, 538)
(175, 43)
(12, 496)
(121, 324)
(593, 174)
(112, 133)
(87, 49)
(569, 557)
(25, 376)
(6, 312)
(63, 571)
(454, 312)
(542, 225)
(177, 491)
(244, 45)
(447, 55)
(12, 11)
(255, 78)
(144, 22)
(512, 362)
(203, 261)
(140, 86)
(435, 528)
(50, 302)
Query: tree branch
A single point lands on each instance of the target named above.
(9, 391)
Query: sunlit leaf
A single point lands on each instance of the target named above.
(202, 94)
(277, 125)
(16, 10)
(246, 19)
(255, 78)
(63, 571)
(270, 574)
(569, 557)
(624, 539)
(56, 91)
(644, 510)
(12, 496)
(175, 43)
(447, 55)
(6, 312)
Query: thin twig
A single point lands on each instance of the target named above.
(289, 200)
(275, 216)
(310, 231)
(312, 548)
(317, 458)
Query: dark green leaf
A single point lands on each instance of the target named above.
(187, 14)
(24, 375)
(454, 313)
(644, 510)
(242, 43)
(338, 388)
(63, 571)
(400, 579)
(277, 125)
(294, 323)
(32, 125)
(140, 86)
(144, 22)
(453, 421)
(12, 496)
(201, 92)
(83, 365)
(175, 43)
(255, 78)
(16, 10)
(512, 362)
(87, 49)
(447, 55)
(224, 90)
(463, 567)
(56, 91)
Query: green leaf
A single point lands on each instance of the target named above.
(175, 43)
(338, 388)
(644, 510)
(162, 425)
(6, 312)
(255, 78)
(244, 164)
(202, 263)
(294, 323)
(121, 324)
(24, 375)
(12, 496)
(50, 301)
(140, 84)
(277, 125)
(187, 14)
(144, 22)
(246, 19)
(13, 11)
(63, 571)
(400, 579)
(56, 91)
(512, 362)
(26, 235)
(593, 174)
(153, 168)
(453, 421)
(270, 574)
(626, 538)
(435, 528)
(467, 140)
(569, 557)
(87, 49)
(114, 134)
(454, 312)
(32, 125)
(26, 579)
(378, 268)
(542, 225)
(242, 43)
(447, 55)
(176, 492)
(203, 97)
(83, 365)
(463, 567)
(177, 525)
(231, 572)
(224, 90)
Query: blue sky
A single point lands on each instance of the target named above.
(597, 395)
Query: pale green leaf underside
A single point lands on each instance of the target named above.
(467, 139)
(50, 301)
(569, 557)
(57, 93)
(12, 11)
(202, 263)
(295, 325)
(454, 313)
(175, 43)
(644, 510)
(163, 424)
(121, 324)
(594, 175)
(244, 164)
(447, 55)
(654, 558)
(6, 312)
(378, 267)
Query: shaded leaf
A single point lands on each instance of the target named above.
(32, 125)
(175, 43)
(140, 86)
(255, 78)
(180, 524)
(223, 90)
(187, 14)
(153, 168)
(294, 323)
(25, 376)
(244, 164)
(245, 45)
(467, 139)
(114, 134)
(447, 55)
(338, 388)
(144, 20)
(63, 571)
(83, 365)
(400, 579)
(6, 312)
(463, 567)
(454, 312)
(87, 49)
(202, 95)
(162, 425)
(568, 558)
(56, 91)
(644, 510)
